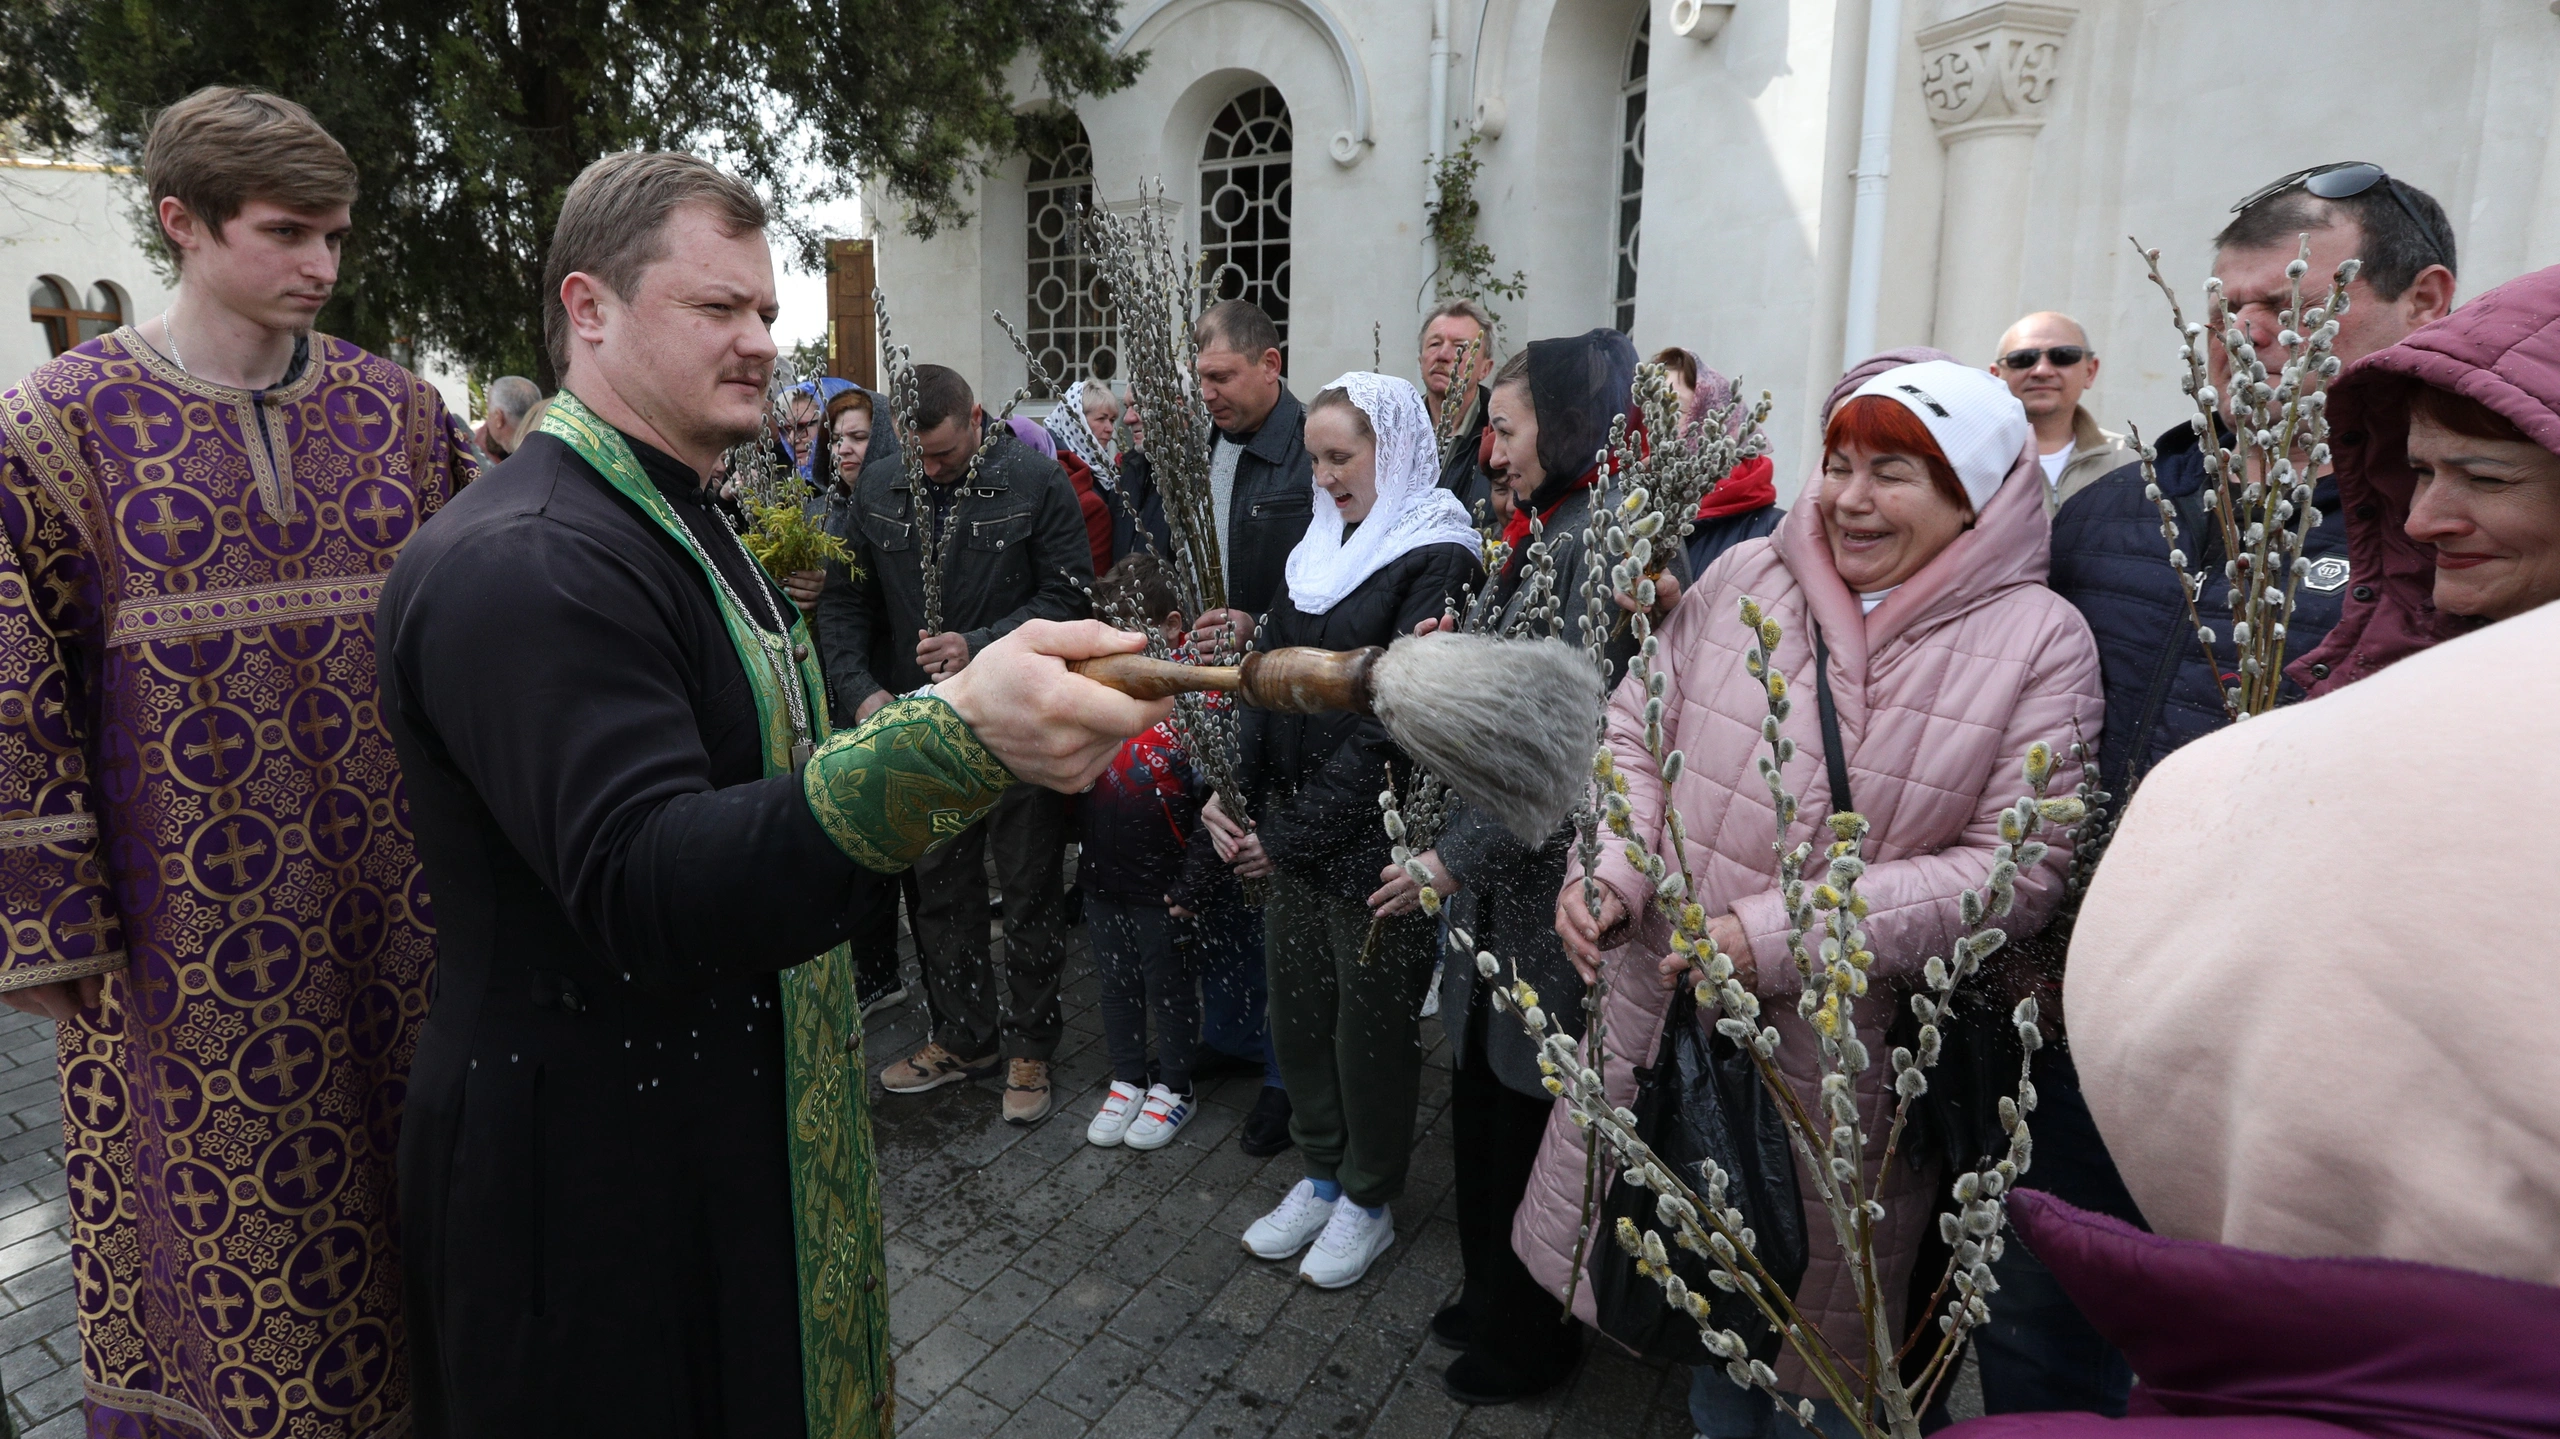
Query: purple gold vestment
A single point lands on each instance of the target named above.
(199, 801)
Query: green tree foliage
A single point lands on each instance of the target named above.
(468, 118)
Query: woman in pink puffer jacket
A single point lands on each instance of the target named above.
(1948, 658)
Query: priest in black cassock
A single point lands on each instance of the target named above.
(636, 1185)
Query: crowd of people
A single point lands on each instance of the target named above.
(222, 838)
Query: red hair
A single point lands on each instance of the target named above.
(2462, 414)
(1883, 426)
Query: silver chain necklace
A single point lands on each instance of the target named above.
(169, 337)
(777, 648)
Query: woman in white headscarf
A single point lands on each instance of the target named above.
(1386, 549)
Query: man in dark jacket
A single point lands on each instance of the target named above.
(1013, 548)
(1262, 484)
(2162, 691)
(1261, 478)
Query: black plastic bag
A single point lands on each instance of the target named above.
(1701, 1099)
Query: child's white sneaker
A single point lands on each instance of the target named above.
(1287, 1229)
(1159, 1119)
(1352, 1241)
(1119, 1111)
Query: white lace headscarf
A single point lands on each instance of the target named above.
(1412, 511)
(1066, 421)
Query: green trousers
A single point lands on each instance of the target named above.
(1350, 1047)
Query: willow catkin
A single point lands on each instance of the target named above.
(1506, 723)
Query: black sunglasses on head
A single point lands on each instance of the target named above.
(2064, 357)
(2344, 180)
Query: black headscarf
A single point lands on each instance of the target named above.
(1579, 387)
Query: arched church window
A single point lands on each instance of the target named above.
(69, 318)
(1067, 326)
(1244, 206)
(1631, 174)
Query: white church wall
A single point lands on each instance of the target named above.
(2150, 119)
(72, 223)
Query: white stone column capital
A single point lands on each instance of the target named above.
(1991, 71)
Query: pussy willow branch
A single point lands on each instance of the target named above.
(2261, 492)
(1835, 977)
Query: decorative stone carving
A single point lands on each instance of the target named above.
(1993, 69)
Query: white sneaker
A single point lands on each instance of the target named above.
(1287, 1229)
(1159, 1119)
(1119, 1111)
(1351, 1242)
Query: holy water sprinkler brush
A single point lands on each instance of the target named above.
(1509, 724)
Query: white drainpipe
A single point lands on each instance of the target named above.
(1439, 116)
(1875, 162)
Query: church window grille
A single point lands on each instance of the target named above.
(1244, 206)
(1068, 324)
(1631, 97)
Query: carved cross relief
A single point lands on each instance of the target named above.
(1992, 69)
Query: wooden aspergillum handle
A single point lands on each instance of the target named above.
(1294, 681)
(1152, 679)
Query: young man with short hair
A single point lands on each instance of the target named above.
(1016, 551)
(212, 885)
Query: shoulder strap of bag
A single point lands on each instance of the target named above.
(1833, 756)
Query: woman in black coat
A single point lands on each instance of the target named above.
(1391, 549)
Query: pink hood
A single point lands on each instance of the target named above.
(1940, 692)
(2503, 350)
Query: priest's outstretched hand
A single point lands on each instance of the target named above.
(1048, 724)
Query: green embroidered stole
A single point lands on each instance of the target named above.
(835, 1191)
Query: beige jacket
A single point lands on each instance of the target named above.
(2311, 990)
(2095, 452)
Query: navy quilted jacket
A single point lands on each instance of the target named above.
(2109, 560)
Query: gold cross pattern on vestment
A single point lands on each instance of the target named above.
(137, 421)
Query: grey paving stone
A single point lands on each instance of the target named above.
(1206, 1261)
(960, 1415)
(1417, 1410)
(1282, 1363)
(66, 1425)
(1003, 1306)
(1100, 1374)
(1019, 1366)
(1250, 1299)
(1082, 1305)
(1061, 1252)
(1161, 1310)
(1041, 1419)
(925, 1302)
(936, 1362)
(1144, 1413)
(1233, 1416)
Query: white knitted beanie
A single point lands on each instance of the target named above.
(1978, 424)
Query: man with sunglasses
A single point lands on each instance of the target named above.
(2046, 362)
(2109, 559)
